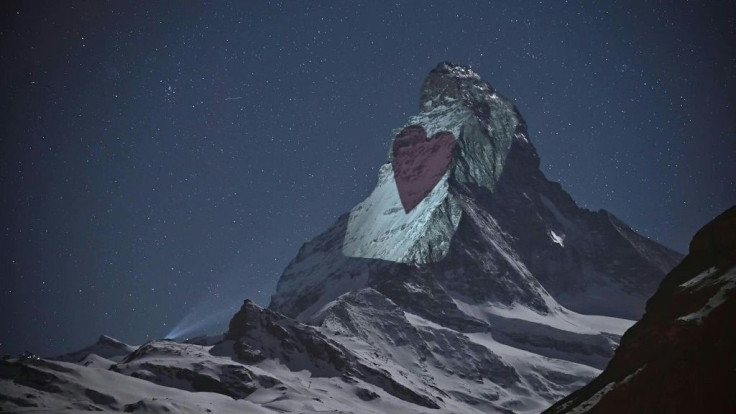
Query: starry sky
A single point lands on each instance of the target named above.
(162, 161)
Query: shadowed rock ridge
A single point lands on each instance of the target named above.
(680, 357)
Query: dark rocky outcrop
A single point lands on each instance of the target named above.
(681, 356)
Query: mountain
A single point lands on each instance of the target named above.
(679, 358)
(489, 228)
(465, 282)
(464, 252)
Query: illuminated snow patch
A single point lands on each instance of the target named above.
(557, 238)
(379, 228)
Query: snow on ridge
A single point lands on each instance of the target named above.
(699, 278)
(727, 282)
(534, 388)
(561, 318)
(591, 402)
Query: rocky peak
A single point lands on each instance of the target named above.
(454, 99)
(256, 334)
(449, 83)
(249, 317)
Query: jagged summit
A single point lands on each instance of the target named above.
(454, 99)
(449, 82)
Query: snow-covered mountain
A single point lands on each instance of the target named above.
(465, 282)
(468, 263)
(679, 358)
(492, 230)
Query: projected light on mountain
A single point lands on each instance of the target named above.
(419, 163)
(391, 223)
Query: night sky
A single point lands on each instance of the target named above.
(162, 161)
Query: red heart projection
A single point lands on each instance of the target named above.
(419, 163)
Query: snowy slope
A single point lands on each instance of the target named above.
(53, 386)
(473, 368)
(265, 363)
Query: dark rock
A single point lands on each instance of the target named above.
(366, 394)
(248, 354)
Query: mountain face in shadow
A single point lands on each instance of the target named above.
(681, 356)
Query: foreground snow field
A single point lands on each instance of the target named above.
(270, 363)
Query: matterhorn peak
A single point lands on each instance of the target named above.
(462, 199)
(462, 139)
(455, 100)
(110, 341)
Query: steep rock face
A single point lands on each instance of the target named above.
(679, 358)
(591, 262)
